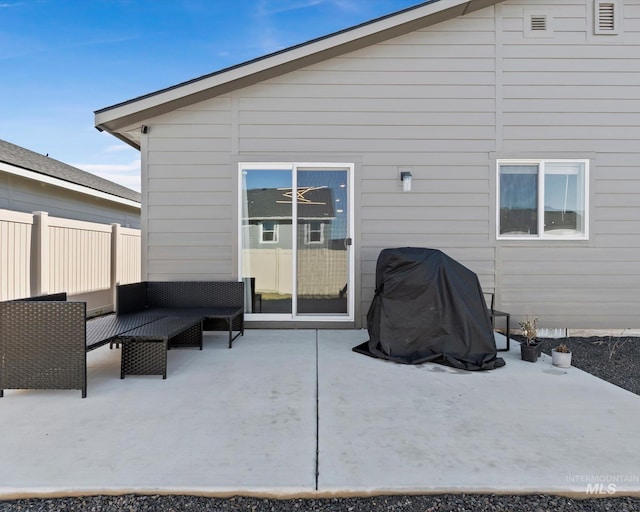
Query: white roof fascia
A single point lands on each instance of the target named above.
(50, 180)
(126, 114)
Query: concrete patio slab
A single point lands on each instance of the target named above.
(429, 428)
(246, 421)
(223, 420)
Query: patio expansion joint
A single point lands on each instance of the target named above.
(317, 471)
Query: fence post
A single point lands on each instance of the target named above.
(115, 260)
(40, 254)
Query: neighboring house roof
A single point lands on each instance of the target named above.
(29, 164)
(276, 203)
(124, 119)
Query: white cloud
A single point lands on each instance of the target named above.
(114, 168)
(118, 147)
(271, 37)
(127, 175)
(348, 5)
(270, 7)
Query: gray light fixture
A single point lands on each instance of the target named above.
(405, 177)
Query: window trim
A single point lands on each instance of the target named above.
(541, 163)
(308, 231)
(275, 232)
(350, 208)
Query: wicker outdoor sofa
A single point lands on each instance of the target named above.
(221, 303)
(44, 340)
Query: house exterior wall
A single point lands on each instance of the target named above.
(568, 95)
(446, 102)
(24, 195)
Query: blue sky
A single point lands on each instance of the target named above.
(60, 60)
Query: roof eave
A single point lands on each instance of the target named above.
(121, 118)
(67, 185)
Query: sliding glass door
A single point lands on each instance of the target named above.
(295, 238)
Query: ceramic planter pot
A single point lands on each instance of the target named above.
(560, 359)
(529, 352)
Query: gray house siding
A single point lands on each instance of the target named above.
(189, 189)
(24, 195)
(446, 101)
(406, 102)
(575, 94)
(30, 182)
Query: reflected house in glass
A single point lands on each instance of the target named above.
(318, 253)
(269, 220)
(518, 121)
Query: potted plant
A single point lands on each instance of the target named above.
(529, 349)
(561, 356)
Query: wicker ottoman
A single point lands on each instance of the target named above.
(144, 349)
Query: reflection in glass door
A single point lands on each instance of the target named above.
(267, 240)
(295, 253)
(322, 256)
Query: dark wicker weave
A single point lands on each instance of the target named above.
(144, 349)
(144, 357)
(190, 338)
(222, 302)
(223, 299)
(195, 294)
(131, 298)
(104, 329)
(43, 345)
(44, 339)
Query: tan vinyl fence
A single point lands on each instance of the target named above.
(320, 272)
(41, 254)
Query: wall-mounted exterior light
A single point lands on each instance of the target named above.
(405, 177)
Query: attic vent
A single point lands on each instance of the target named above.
(538, 22)
(606, 17)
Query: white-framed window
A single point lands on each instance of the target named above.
(269, 232)
(313, 233)
(543, 199)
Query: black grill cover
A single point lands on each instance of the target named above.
(429, 307)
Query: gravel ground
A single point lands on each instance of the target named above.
(432, 503)
(616, 360)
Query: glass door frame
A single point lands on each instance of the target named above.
(293, 167)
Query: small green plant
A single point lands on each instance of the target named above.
(529, 329)
(563, 348)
